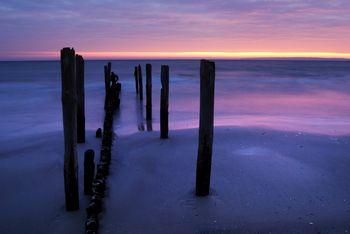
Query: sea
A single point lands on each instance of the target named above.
(302, 96)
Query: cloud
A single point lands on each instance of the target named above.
(175, 25)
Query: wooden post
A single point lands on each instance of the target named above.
(89, 171)
(81, 97)
(136, 81)
(106, 86)
(69, 109)
(164, 102)
(107, 78)
(99, 133)
(115, 90)
(139, 75)
(206, 122)
(109, 66)
(107, 71)
(148, 92)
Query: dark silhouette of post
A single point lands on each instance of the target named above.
(136, 81)
(115, 90)
(81, 96)
(206, 122)
(98, 133)
(164, 102)
(148, 92)
(89, 171)
(109, 65)
(69, 109)
(139, 75)
(107, 72)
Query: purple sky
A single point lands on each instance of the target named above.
(39, 28)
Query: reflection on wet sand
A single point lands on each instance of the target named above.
(149, 125)
(317, 111)
(139, 114)
(141, 122)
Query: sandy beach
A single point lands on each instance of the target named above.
(262, 181)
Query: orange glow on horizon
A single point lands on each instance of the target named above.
(184, 55)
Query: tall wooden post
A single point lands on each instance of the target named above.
(206, 122)
(136, 81)
(106, 86)
(81, 96)
(69, 109)
(109, 66)
(148, 92)
(139, 75)
(107, 72)
(164, 102)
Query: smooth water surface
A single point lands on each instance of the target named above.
(303, 96)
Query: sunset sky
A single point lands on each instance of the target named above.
(38, 29)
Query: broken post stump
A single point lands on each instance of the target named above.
(148, 92)
(136, 81)
(80, 97)
(206, 122)
(139, 75)
(164, 102)
(69, 109)
(98, 133)
(89, 171)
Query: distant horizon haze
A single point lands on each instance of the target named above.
(101, 55)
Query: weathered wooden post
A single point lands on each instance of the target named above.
(89, 171)
(206, 122)
(81, 96)
(106, 85)
(136, 81)
(164, 102)
(109, 69)
(148, 92)
(139, 75)
(69, 109)
(107, 72)
(115, 91)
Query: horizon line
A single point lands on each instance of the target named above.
(90, 55)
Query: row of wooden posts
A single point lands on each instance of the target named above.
(72, 76)
(73, 108)
(72, 70)
(206, 118)
(97, 187)
(164, 95)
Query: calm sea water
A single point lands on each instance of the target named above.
(300, 96)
